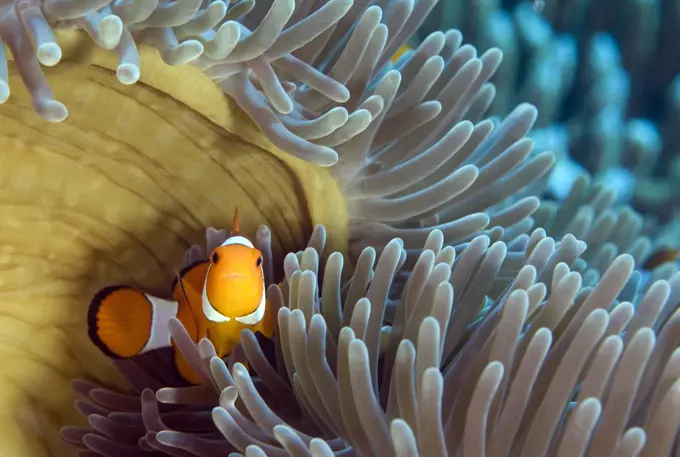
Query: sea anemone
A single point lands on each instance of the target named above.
(317, 127)
(543, 368)
(447, 166)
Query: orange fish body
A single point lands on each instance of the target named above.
(234, 266)
(217, 299)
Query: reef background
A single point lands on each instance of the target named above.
(605, 77)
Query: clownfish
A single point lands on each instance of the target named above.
(660, 257)
(215, 299)
(403, 49)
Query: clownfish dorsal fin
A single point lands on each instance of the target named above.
(235, 236)
(235, 227)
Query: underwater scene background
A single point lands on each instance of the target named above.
(464, 215)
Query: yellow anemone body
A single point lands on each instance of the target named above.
(116, 194)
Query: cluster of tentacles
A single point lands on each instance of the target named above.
(476, 363)
(408, 141)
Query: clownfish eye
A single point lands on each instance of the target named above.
(259, 261)
(215, 257)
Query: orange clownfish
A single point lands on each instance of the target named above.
(215, 298)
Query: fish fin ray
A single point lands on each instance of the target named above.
(194, 274)
(185, 288)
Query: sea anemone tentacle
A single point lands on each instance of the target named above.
(26, 26)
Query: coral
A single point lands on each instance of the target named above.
(549, 367)
(590, 212)
(603, 75)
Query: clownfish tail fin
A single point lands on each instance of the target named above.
(124, 322)
(235, 226)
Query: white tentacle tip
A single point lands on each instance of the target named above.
(186, 52)
(343, 94)
(283, 106)
(128, 73)
(52, 111)
(49, 54)
(385, 335)
(330, 159)
(110, 31)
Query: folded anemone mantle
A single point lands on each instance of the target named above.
(116, 193)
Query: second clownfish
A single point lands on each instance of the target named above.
(403, 49)
(660, 257)
(215, 298)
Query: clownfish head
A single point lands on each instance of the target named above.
(234, 285)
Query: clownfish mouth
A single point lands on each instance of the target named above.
(213, 315)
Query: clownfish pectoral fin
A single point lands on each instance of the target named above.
(124, 322)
